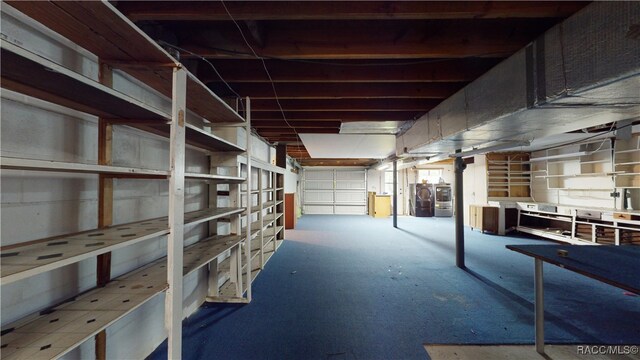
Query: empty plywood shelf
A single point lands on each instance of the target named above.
(54, 332)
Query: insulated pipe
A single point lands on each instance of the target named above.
(395, 193)
(459, 205)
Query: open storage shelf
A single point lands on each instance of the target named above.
(54, 332)
(580, 226)
(508, 175)
(117, 43)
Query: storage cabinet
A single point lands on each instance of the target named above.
(290, 215)
(484, 218)
(379, 205)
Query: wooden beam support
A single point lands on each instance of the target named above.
(105, 203)
(343, 105)
(439, 70)
(331, 115)
(265, 124)
(375, 39)
(347, 10)
(337, 162)
(345, 90)
(289, 131)
(173, 299)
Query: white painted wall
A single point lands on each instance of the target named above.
(475, 184)
(37, 204)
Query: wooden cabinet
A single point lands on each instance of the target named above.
(379, 205)
(291, 211)
(484, 218)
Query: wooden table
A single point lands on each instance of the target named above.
(615, 265)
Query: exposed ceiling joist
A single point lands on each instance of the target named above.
(297, 124)
(381, 10)
(346, 90)
(337, 115)
(345, 105)
(440, 70)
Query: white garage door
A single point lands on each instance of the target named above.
(333, 191)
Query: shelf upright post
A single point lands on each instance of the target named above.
(260, 216)
(173, 300)
(105, 203)
(248, 210)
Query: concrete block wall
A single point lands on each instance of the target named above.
(36, 205)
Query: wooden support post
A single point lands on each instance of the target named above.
(214, 290)
(105, 203)
(173, 303)
(247, 116)
(260, 216)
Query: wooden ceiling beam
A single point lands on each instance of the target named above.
(337, 115)
(410, 39)
(296, 124)
(438, 70)
(314, 10)
(290, 105)
(336, 162)
(341, 91)
(289, 131)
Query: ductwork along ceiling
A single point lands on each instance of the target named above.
(581, 73)
(458, 74)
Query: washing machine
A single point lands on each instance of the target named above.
(423, 197)
(444, 200)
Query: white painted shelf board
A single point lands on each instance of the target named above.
(215, 178)
(22, 261)
(33, 75)
(35, 257)
(116, 38)
(70, 324)
(564, 219)
(61, 166)
(553, 236)
(200, 216)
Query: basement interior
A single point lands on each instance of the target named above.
(440, 180)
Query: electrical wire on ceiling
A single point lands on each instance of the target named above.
(264, 65)
(164, 43)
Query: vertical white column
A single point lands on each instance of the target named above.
(248, 238)
(260, 216)
(173, 300)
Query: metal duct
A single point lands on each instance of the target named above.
(581, 73)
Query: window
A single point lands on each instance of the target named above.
(431, 175)
(388, 182)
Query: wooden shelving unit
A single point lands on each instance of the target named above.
(627, 162)
(580, 226)
(267, 213)
(508, 175)
(118, 44)
(581, 166)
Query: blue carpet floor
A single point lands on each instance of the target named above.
(353, 287)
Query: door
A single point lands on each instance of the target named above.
(335, 191)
